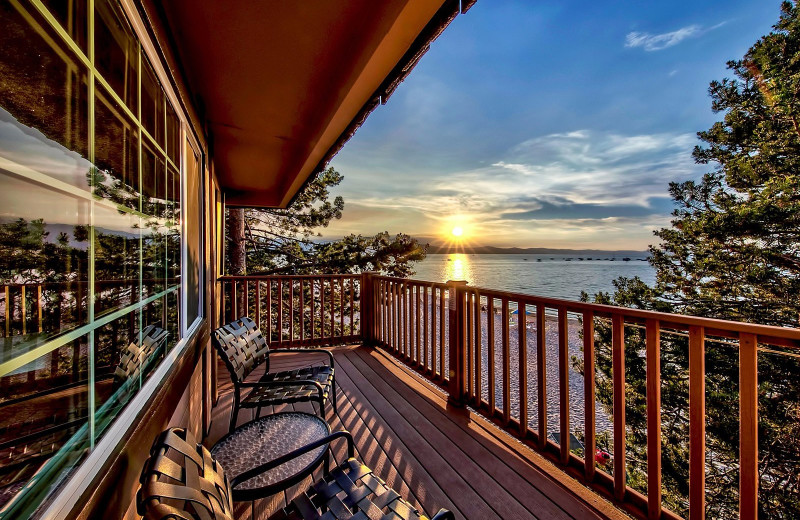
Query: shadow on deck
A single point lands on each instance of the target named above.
(435, 455)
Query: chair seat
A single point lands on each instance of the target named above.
(260, 396)
(350, 491)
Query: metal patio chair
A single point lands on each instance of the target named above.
(243, 348)
(181, 479)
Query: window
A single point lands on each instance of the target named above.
(91, 236)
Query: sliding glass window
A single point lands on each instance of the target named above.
(91, 235)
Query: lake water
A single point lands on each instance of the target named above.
(542, 275)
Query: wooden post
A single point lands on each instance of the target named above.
(366, 308)
(456, 387)
(748, 426)
(653, 419)
(697, 423)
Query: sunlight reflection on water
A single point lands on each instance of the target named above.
(542, 275)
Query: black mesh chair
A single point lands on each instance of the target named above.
(181, 480)
(243, 348)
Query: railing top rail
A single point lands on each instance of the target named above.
(767, 333)
(413, 281)
(230, 278)
(86, 282)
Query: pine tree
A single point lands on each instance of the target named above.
(732, 252)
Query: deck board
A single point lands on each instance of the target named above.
(431, 453)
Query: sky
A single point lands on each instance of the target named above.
(551, 123)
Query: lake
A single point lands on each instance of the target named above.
(555, 276)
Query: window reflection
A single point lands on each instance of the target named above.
(116, 51)
(64, 218)
(72, 15)
(116, 153)
(173, 135)
(152, 103)
(43, 95)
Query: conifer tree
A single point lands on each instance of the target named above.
(732, 252)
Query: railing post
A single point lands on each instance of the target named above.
(457, 386)
(367, 308)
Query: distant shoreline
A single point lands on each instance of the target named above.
(491, 250)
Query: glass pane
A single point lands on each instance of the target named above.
(116, 51)
(47, 432)
(72, 16)
(193, 244)
(116, 243)
(173, 135)
(43, 99)
(116, 154)
(152, 103)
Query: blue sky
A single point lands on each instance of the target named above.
(547, 123)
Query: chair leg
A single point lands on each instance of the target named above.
(333, 396)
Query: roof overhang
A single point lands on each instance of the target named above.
(282, 85)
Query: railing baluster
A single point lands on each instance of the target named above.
(291, 310)
(697, 423)
(563, 383)
(234, 298)
(39, 304)
(618, 374)
(333, 307)
(24, 315)
(506, 363)
(302, 309)
(522, 329)
(280, 310)
(258, 303)
(417, 348)
(589, 395)
(478, 337)
(341, 307)
(541, 373)
(425, 316)
(490, 352)
(653, 357)
(269, 310)
(469, 311)
(442, 346)
(370, 291)
(8, 312)
(748, 426)
(312, 315)
(246, 298)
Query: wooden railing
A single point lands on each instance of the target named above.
(412, 321)
(491, 350)
(295, 311)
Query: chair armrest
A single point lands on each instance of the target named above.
(303, 351)
(274, 463)
(444, 514)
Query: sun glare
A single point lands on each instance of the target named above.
(457, 231)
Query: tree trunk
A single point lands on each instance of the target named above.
(237, 258)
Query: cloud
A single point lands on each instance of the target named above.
(563, 189)
(563, 208)
(657, 42)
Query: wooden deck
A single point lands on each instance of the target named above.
(433, 454)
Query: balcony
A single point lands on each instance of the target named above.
(483, 437)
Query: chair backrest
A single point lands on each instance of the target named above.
(181, 480)
(139, 354)
(242, 346)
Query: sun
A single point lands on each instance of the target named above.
(457, 231)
